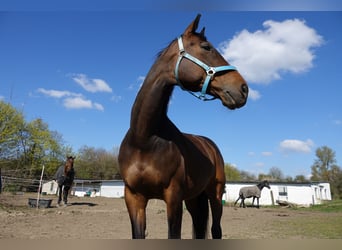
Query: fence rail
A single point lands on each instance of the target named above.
(14, 184)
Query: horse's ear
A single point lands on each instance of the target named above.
(193, 26)
(202, 32)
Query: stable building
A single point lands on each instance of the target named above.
(300, 193)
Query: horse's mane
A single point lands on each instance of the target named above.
(164, 49)
(168, 46)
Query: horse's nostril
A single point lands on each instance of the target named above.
(244, 89)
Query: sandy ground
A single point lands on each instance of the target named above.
(107, 218)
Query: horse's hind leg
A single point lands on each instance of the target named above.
(136, 205)
(216, 211)
(237, 200)
(199, 211)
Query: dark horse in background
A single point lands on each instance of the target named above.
(157, 161)
(64, 176)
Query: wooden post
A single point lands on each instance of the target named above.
(40, 185)
(272, 198)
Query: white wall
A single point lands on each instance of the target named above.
(50, 187)
(114, 189)
(304, 194)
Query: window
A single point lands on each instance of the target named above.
(51, 186)
(282, 191)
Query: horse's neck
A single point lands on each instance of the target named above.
(67, 169)
(149, 111)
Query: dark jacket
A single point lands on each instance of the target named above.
(63, 179)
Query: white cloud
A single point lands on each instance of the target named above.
(251, 153)
(281, 47)
(56, 93)
(253, 94)
(292, 145)
(91, 85)
(71, 100)
(259, 164)
(80, 103)
(116, 98)
(337, 122)
(266, 153)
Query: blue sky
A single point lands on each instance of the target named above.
(80, 72)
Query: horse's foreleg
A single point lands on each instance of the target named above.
(136, 205)
(243, 203)
(174, 205)
(253, 201)
(258, 202)
(60, 192)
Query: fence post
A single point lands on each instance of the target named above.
(272, 198)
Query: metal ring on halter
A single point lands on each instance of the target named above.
(211, 71)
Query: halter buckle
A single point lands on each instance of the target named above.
(211, 72)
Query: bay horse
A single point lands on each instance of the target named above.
(156, 160)
(64, 177)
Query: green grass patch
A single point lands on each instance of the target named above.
(320, 227)
(334, 206)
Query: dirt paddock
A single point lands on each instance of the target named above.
(107, 218)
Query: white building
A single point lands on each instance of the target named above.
(304, 193)
(301, 193)
(114, 188)
(50, 187)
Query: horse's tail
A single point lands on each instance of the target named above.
(200, 224)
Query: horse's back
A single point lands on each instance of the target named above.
(251, 191)
(207, 147)
(211, 152)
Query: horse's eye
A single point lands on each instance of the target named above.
(206, 46)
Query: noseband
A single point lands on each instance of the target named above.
(211, 71)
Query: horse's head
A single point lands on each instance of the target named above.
(266, 184)
(69, 164)
(201, 68)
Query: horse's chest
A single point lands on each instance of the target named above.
(149, 169)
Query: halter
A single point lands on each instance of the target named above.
(211, 71)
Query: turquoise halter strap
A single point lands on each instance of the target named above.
(211, 71)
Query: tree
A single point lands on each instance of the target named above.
(263, 176)
(39, 146)
(300, 178)
(96, 163)
(26, 146)
(246, 176)
(231, 172)
(325, 169)
(321, 169)
(275, 173)
(11, 120)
